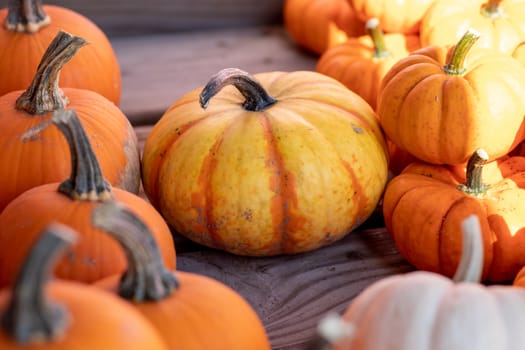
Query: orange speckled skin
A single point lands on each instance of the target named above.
(295, 176)
(443, 118)
(95, 67)
(423, 211)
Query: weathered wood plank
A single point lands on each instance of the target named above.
(291, 293)
(132, 17)
(158, 69)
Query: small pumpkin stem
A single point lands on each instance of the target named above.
(474, 184)
(86, 181)
(30, 316)
(377, 36)
(146, 277)
(256, 96)
(44, 95)
(26, 16)
(456, 63)
(492, 9)
(470, 266)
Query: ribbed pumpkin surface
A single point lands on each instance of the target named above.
(297, 175)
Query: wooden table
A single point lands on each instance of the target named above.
(290, 293)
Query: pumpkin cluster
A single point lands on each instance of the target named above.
(424, 125)
(446, 83)
(448, 95)
(75, 234)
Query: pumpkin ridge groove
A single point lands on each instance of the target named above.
(153, 190)
(399, 126)
(358, 192)
(393, 215)
(440, 232)
(278, 184)
(205, 180)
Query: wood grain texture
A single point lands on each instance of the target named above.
(292, 293)
(132, 17)
(158, 69)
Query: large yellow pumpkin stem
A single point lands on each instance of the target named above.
(26, 16)
(456, 63)
(474, 182)
(377, 36)
(44, 95)
(256, 97)
(146, 277)
(470, 266)
(30, 316)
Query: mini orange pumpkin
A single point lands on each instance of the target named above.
(320, 24)
(424, 205)
(440, 105)
(27, 28)
(190, 311)
(71, 203)
(258, 172)
(360, 63)
(41, 314)
(29, 162)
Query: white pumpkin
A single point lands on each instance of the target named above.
(427, 311)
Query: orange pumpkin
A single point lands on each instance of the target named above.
(423, 310)
(28, 28)
(51, 315)
(320, 24)
(400, 16)
(258, 172)
(361, 63)
(190, 311)
(29, 162)
(440, 105)
(71, 203)
(424, 205)
(501, 23)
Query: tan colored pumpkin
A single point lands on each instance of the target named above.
(278, 163)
